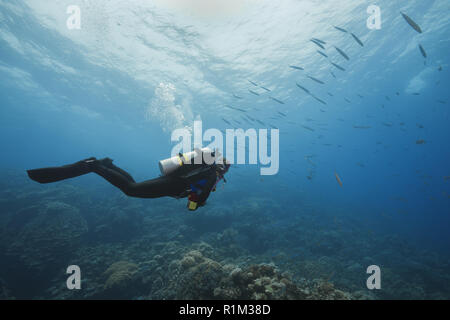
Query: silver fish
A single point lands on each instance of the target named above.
(234, 108)
(303, 88)
(308, 128)
(297, 68)
(320, 100)
(422, 50)
(340, 29)
(357, 40)
(410, 21)
(318, 40)
(338, 66)
(342, 53)
(316, 80)
(279, 101)
(318, 44)
(226, 121)
(253, 92)
(323, 54)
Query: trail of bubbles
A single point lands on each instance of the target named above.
(166, 111)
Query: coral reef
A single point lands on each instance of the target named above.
(5, 293)
(119, 277)
(40, 235)
(248, 249)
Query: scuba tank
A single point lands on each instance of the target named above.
(169, 165)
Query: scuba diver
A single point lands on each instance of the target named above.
(181, 178)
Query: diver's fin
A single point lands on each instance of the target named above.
(54, 174)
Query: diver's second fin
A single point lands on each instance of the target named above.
(54, 174)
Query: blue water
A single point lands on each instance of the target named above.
(136, 71)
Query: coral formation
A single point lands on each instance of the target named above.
(119, 277)
(42, 234)
(249, 249)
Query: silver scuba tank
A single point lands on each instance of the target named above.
(169, 165)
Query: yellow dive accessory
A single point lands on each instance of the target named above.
(181, 159)
(192, 205)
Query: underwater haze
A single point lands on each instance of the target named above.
(363, 116)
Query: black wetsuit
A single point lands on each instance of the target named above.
(198, 178)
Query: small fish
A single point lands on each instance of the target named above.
(318, 44)
(321, 110)
(303, 88)
(360, 96)
(281, 113)
(318, 40)
(441, 101)
(245, 119)
(226, 121)
(340, 29)
(268, 90)
(347, 100)
(253, 83)
(440, 68)
(362, 127)
(316, 80)
(416, 94)
(237, 97)
(420, 142)
(357, 40)
(250, 118)
(308, 128)
(422, 51)
(296, 67)
(238, 122)
(234, 108)
(397, 93)
(387, 98)
(334, 76)
(260, 122)
(253, 92)
(276, 100)
(321, 53)
(410, 21)
(387, 124)
(338, 66)
(342, 53)
(338, 179)
(330, 94)
(320, 100)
